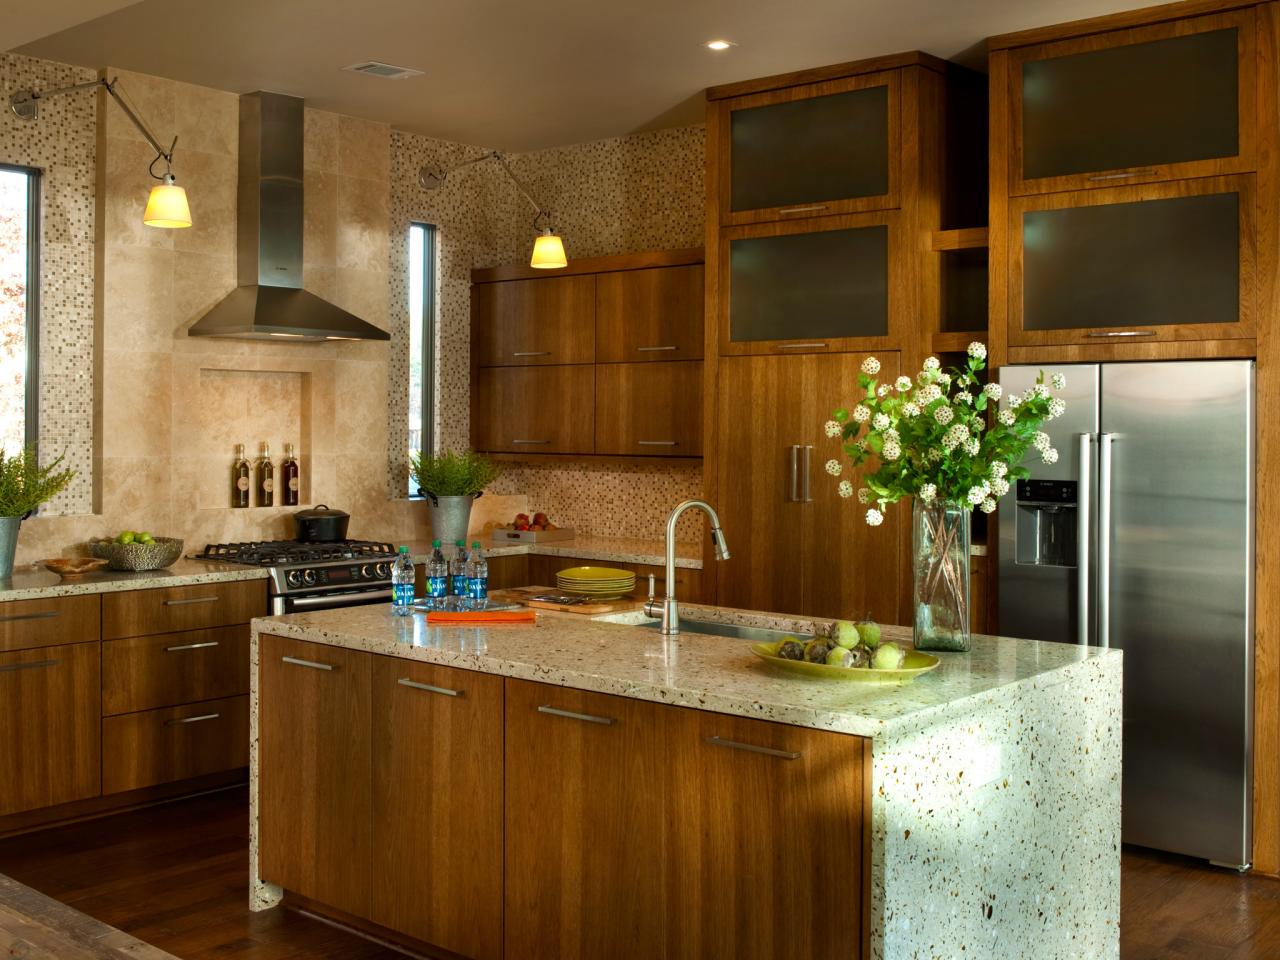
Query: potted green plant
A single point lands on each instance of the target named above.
(451, 482)
(24, 485)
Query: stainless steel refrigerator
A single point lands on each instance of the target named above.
(1141, 537)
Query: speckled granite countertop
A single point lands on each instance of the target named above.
(704, 672)
(34, 582)
(615, 549)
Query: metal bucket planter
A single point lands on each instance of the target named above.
(450, 517)
(9, 527)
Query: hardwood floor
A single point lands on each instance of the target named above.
(176, 876)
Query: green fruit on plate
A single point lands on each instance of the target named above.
(791, 649)
(847, 635)
(126, 538)
(839, 656)
(888, 656)
(869, 631)
(144, 538)
(816, 650)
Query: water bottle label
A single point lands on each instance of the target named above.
(437, 587)
(479, 588)
(459, 585)
(402, 597)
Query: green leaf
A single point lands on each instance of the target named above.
(453, 474)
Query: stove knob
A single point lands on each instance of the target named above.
(383, 571)
(293, 578)
(309, 577)
(366, 571)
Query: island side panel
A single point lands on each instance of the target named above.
(998, 833)
(262, 895)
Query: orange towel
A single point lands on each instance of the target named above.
(446, 617)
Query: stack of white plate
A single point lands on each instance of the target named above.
(601, 582)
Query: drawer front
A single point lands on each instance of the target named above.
(170, 610)
(649, 409)
(165, 669)
(534, 410)
(25, 624)
(160, 746)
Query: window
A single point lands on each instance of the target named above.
(422, 336)
(19, 201)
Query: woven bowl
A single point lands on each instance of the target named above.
(74, 566)
(139, 556)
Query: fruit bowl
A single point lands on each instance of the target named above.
(913, 665)
(138, 556)
(73, 566)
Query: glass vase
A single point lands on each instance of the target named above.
(940, 552)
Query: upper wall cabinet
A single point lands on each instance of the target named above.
(810, 150)
(1160, 102)
(529, 322)
(649, 315)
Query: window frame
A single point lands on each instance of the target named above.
(426, 439)
(31, 413)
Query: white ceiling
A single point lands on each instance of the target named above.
(24, 22)
(524, 74)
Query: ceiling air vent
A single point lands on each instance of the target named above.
(386, 71)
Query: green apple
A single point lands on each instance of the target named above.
(869, 631)
(144, 538)
(839, 657)
(887, 657)
(126, 537)
(847, 635)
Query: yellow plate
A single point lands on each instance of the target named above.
(595, 573)
(913, 665)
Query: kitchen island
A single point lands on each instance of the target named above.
(974, 812)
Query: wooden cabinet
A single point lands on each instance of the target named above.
(163, 670)
(1167, 101)
(50, 710)
(174, 743)
(797, 546)
(25, 624)
(137, 613)
(532, 322)
(585, 823)
(767, 839)
(809, 149)
(314, 787)
(535, 410)
(438, 805)
(649, 315)
(650, 409)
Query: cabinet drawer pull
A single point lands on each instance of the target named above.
(42, 615)
(752, 748)
(33, 665)
(406, 682)
(654, 349)
(307, 663)
(569, 714)
(190, 600)
(1121, 176)
(532, 353)
(802, 346)
(191, 646)
(531, 442)
(1121, 333)
(657, 443)
(806, 208)
(181, 720)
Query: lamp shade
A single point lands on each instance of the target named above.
(548, 252)
(167, 207)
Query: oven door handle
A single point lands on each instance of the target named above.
(327, 601)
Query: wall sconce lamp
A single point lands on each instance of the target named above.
(548, 248)
(167, 205)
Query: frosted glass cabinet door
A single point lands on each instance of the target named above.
(1170, 101)
(819, 149)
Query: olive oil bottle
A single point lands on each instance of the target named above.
(240, 481)
(266, 478)
(289, 477)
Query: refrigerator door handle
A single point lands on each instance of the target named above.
(1104, 539)
(1084, 531)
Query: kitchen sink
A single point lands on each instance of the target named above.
(687, 625)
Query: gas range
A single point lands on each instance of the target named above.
(315, 576)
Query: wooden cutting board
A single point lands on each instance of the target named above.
(525, 596)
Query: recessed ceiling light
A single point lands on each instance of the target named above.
(718, 45)
(387, 71)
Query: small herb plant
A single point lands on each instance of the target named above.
(24, 484)
(452, 474)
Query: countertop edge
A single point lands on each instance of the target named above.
(146, 580)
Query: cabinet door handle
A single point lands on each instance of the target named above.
(1121, 333)
(33, 665)
(654, 349)
(657, 443)
(406, 682)
(802, 346)
(307, 663)
(190, 600)
(191, 646)
(181, 720)
(41, 615)
(570, 715)
(795, 474)
(533, 442)
(532, 353)
(805, 489)
(752, 748)
(1121, 176)
(805, 208)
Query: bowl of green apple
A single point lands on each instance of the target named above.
(137, 550)
(852, 652)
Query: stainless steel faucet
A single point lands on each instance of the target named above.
(671, 612)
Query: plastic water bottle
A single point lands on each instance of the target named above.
(478, 576)
(437, 576)
(402, 584)
(458, 570)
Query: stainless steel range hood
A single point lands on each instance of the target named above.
(270, 302)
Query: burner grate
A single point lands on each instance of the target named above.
(272, 553)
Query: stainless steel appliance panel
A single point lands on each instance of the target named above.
(1181, 598)
(1043, 601)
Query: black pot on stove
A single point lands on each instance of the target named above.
(319, 524)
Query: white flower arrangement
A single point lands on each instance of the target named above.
(938, 437)
(832, 429)
(835, 467)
